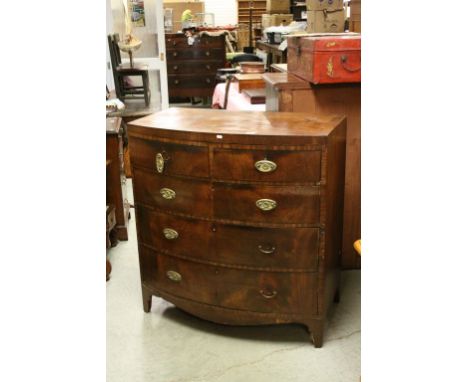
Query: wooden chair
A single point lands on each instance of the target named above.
(121, 71)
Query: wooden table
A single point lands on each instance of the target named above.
(274, 55)
(286, 92)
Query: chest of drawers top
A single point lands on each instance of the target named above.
(236, 127)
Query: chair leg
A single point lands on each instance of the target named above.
(226, 95)
(119, 88)
(146, 88)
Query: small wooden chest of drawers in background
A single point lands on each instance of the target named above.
(239, 214)
(192, 68)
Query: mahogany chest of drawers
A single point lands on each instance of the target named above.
(192, 68)
(239, 214)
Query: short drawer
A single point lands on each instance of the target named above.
(267, 204)
(270, 248)
(190, 197)
(205, 67)
(237, 289)
(170, 158)
(195, 54)
(190, 237)
(267, 165)
(184, 81)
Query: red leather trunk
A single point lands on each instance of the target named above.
(325, 59)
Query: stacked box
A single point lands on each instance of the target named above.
(325, 21)
(320, 5)
(276, 20)
(278, 6)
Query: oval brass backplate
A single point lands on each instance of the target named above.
(170, 234)
(266, 204)
(174, 276)
(265, 165)
(167, 193)
(159, 162)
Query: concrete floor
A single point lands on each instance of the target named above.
(168, 345)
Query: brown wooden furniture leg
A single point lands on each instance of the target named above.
(316, 328)
(147, 298)
(108, 269)
(113, 237)
(337, 296)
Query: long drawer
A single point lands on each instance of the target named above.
(195, 54)
(267, 204)
(184, 81)
(191, 197)
(199, 43)
(267, 165)
(171, 158)
(236, 289)
(271, 248)
(194, 67)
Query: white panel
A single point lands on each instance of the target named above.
(225, 11)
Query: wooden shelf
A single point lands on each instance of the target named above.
(243, 11)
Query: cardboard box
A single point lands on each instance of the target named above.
(278, 6)
(325, 22)
(355, 26)
(319, 5)
(355, 7)
(276, 20)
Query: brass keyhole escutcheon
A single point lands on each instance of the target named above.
(170, 234)
(167, 193)
(174, 276)
(266, 204)
(159, 163)
(265, 165)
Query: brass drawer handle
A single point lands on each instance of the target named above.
(267, 249)
(170, 234)
(167, 193)
(174, 54)
(208, 81)
(268, 294)
(265, 165)
(207, 53)
(208, 67)
(176, 67)
(174, 276)
(176, 82)
(159, 162)
(266, 204)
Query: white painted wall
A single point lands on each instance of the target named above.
(225, 11)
